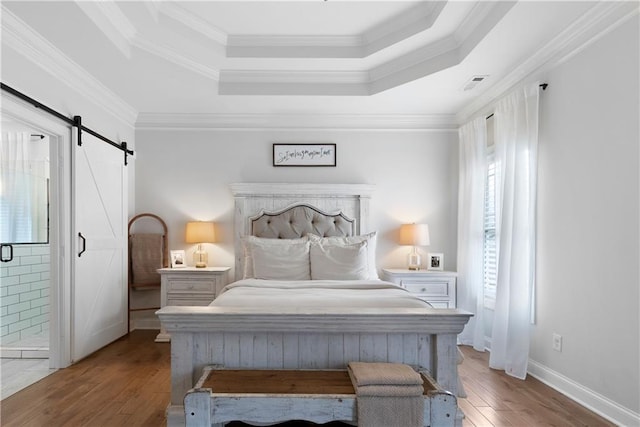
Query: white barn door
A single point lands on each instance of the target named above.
(99, 287)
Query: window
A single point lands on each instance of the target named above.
(490, 256)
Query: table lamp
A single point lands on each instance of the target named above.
(414, 235)
(200, 232)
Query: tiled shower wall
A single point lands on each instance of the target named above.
(24, 293)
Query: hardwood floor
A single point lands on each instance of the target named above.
(127, 384)
(496, 399)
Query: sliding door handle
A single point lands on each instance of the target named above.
(84, 245)
(2, 257)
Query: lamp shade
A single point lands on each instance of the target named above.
(414, 234)
(200, 232)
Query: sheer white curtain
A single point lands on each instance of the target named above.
(15, 188)
(516, 149)
(473, 172)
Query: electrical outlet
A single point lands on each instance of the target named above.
(557, 342)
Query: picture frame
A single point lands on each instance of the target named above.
(314, 155)
(178, 259)
(435, 261)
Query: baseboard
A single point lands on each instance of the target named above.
(143, 323)
(588, 398)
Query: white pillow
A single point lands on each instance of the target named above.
(370, 238)
(339, 262)
(248, 242)
(281, 262)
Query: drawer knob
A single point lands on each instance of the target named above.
(424, 290)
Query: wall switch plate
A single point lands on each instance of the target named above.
(557, 342)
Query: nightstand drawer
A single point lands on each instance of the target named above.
(201, 301)
(424, 288)
(191, 285)
(438, 288)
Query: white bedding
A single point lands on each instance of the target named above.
(325, 294)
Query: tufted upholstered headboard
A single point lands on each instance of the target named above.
(293, 210)
(298, 220)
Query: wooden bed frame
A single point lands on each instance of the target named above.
(309, 339)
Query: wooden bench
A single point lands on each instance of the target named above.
(270, 396)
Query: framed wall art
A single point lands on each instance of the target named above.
(304, 155)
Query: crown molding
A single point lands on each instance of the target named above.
(302, 77)
(413, 21)
(439, 55)
(171, 55)
(442, 54)
(434, 50)
(418, 63)
(242, 46)
(249, 82)
(295, 41)
(480, 12)
(598, 21)
(17, 35)
(174, 11)
(360, 122)
(108, 17)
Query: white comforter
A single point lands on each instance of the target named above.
(316, 294)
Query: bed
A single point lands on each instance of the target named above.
(256, 324)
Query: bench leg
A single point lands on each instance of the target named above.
(444, 409)
(197, 408)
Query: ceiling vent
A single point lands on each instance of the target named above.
(473, 82)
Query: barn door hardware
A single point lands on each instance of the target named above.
(84, 245)
(76, 121)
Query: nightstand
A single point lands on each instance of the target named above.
(438, 288)
(190, 286)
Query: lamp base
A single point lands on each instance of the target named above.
(413, 260)
(200, 257)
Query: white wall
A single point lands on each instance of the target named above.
(185, 175)
(587, 272)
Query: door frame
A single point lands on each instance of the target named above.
(60, 224)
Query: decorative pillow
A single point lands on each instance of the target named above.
(248, 242)
(370, 238)
(281, 262)
(339, 262)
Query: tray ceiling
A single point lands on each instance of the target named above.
(331, 57)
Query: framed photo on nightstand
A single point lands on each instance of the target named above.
(178, 259)
(435, 261)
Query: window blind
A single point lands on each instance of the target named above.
(490, 261)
